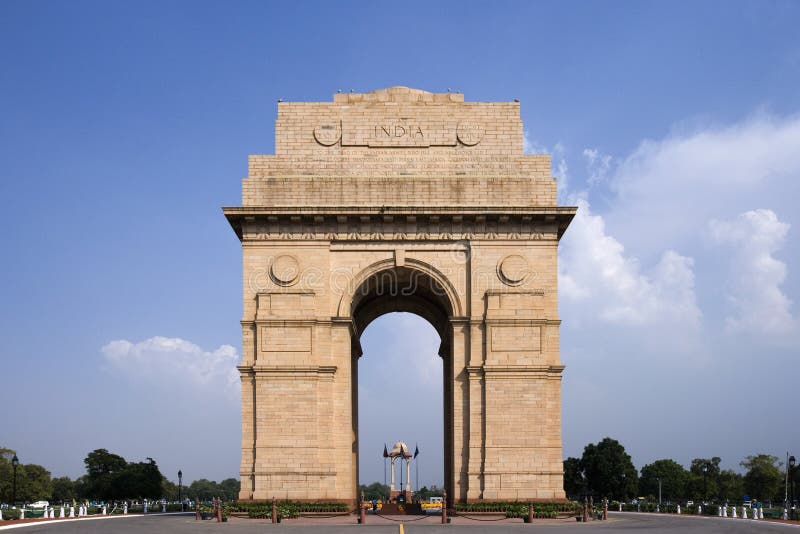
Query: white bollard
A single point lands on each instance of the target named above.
(163, 507)
(733, 512)
(725, 510)
(145, 506)
(744, 512)
(104, 509)
(699, 509)
(72, 511)
(785, 515)
(761, 513)
(679, 509)
(658, 508)
(61, 512)
(52, 513)
(1, 514)
(620, 507)
(22, 513)
(125, 509)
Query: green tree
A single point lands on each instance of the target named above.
(203, 489)
(63, 490)
(169, 490)
(423, 494)
(33, 483)
(376, 490)
(794, 481)
(609, 470)
(763, 478)
(574, 479)
(673, 479)
(82, 487)
(6, 474)
(229, 489)
(731, 486)
(102, 467)
(137, 480)
(703, 485)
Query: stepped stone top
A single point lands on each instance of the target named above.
(398, 93)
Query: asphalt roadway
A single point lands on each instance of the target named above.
(627, 523)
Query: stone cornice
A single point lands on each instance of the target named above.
(387, 223)
(514, 371)
(287, 371)
(516, 320)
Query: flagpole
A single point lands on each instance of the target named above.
(416, 462)
(385, 457)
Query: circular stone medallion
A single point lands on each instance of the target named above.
(284, 270)
(328, 134)
(469, 133)
(513, 270)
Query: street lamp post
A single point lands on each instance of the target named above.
(791, 475)
(180, 482)
(705, 484)
(659, 492)
(14, 464)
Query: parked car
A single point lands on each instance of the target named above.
(39, 504)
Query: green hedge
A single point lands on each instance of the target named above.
(286, 509)
(10, 513)
(518, 509)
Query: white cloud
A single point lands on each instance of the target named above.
(595, 269)
(756, 296)
(597, 165)
(169, 361)
(663, 196)
(666, 190)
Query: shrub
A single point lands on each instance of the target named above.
(517, 509)
(285, 509)
(10, 513)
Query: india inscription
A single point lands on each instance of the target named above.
(400, 200)
(393, 132)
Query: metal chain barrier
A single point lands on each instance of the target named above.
(402, 520)
(454, 513)
(337, 514)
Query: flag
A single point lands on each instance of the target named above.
(416, 451)
(385, 451)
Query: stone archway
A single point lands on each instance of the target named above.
(424, 292)
(366, 195)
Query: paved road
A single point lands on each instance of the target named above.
(626, 523)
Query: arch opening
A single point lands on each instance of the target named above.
(400, 398)
(423, 294)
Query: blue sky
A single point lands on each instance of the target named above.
(125, 128)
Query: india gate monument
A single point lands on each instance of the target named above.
(400, 200)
